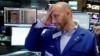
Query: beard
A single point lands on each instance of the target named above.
(62, 24)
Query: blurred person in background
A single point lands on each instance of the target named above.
(96, 30)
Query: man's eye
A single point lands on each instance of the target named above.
(55, 16)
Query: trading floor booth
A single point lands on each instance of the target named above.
(17, 22)
(20, 26)
(20, 33)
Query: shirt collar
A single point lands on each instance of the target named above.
(72, 31)
(65, 33)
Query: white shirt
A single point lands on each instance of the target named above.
(66, 36)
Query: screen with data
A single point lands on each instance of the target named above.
(82, 19)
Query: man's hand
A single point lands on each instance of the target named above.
(48, 19)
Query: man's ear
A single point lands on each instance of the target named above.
(68, 13)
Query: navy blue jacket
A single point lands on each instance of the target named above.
(82, 43)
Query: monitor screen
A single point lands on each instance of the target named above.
(19, 15)
(82, 19)
(19, 35)
(73, 5)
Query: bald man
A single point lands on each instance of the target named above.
(64, 38)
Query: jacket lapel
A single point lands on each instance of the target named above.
(57, 44)
(56, 40)
(74, 40)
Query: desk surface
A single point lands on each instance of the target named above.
(23, 53)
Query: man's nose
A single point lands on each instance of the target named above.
(53, 21)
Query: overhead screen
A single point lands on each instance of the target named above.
(73, 5)
(19, 15)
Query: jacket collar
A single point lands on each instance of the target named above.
(59, 33)
(76, 38)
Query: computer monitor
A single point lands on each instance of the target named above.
(19, 35)
(82, 18)
(19, 15)
(73, 5)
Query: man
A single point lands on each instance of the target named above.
(66, 39)
(96, 30)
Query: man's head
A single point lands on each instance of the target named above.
(61, 15)
(96, 29)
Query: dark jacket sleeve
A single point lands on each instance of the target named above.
(93, 51)
(94, 47)
(32, 41)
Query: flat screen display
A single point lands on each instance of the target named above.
(82, 19)
(73, 5)
(19, 35)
